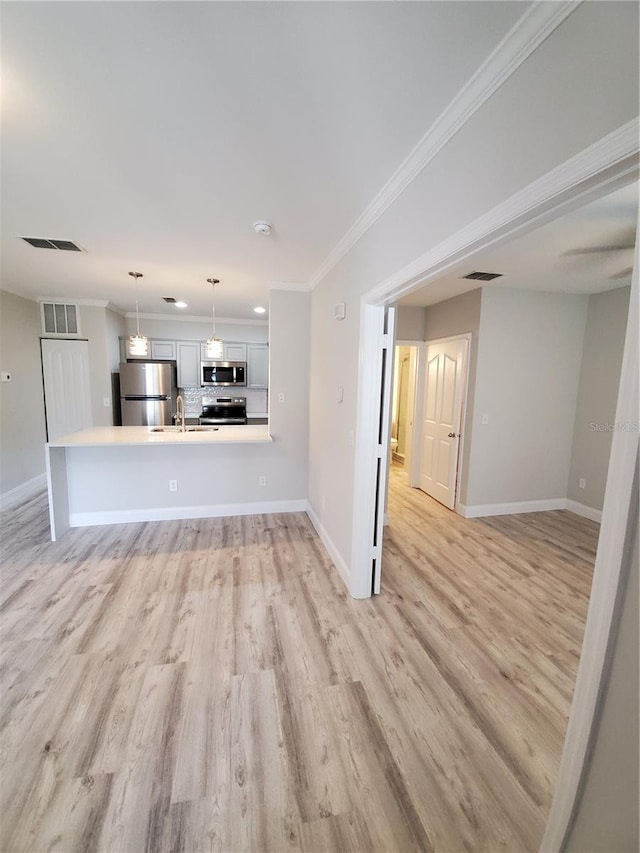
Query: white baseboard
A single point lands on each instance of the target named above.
(23, 492)
(584, 510)
(518, 507)
(327, 541)
(89, 519)
(513, 508)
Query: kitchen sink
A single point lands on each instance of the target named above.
(188, 429)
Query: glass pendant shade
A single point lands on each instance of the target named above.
(214, 348)
(138, 345)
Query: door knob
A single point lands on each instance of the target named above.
(451, 435)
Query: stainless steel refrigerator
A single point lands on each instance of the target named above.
(147, 393)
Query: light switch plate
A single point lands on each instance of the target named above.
(340, 310)
(6, 377)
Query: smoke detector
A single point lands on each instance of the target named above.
(262, 228)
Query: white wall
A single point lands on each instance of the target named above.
(116, 328)
(529, 356)
(597, 395)
(289, 330)
(93, 326)
(409, 323)
(607, 815)
(22, 424)
(578, 86)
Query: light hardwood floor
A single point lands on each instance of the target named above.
(210, 685)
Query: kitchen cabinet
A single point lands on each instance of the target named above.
(163, 350)
(188, 357)
(231, 352)
(159, 350)
(235, 352)
(257, 365)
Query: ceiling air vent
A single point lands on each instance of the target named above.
(483, 276)
(42, 243)
(169, 299)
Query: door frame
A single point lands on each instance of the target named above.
(416, 466)
(411, 411)
(608, 164)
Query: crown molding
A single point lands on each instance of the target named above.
(298, 287)
(538, 22)
(573, 183)
(193, 318)
(116, 309)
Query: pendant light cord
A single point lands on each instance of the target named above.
(136, 276)
(213, 282)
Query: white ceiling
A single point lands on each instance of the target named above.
(551, 258)
(154, 134)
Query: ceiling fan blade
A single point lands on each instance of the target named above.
(626, 273)
(596, 250)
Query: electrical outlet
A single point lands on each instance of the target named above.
(485, 419)
(173, 485)
(262, 480)
(582, 483)
(281, 397)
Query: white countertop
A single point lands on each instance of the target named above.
(142, 435)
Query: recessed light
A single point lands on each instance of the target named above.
(259, 309)
(181, 304)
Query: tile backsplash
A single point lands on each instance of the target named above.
(256, 400)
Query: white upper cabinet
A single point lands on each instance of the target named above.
(165, 350)
(257, 365)
(235, 352)
(231, 352)
(188, 353)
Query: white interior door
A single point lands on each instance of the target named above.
(445, 365)
(67, 393)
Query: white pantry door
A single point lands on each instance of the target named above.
(442, 418)
(67, 394)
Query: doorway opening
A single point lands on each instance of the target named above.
(405, 376)
(608, 575)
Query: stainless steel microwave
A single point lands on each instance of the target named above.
(223, 373)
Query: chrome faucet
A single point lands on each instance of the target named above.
(179, 415)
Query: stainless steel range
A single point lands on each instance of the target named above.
(224, 410)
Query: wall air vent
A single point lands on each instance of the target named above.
(42, 243)
(59, 319)
(170, 299)
(483, 276)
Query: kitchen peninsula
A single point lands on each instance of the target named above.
(111, 475)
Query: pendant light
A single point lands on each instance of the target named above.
(213, 347)
(138, 344)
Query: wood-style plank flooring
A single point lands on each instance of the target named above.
(209, 685)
